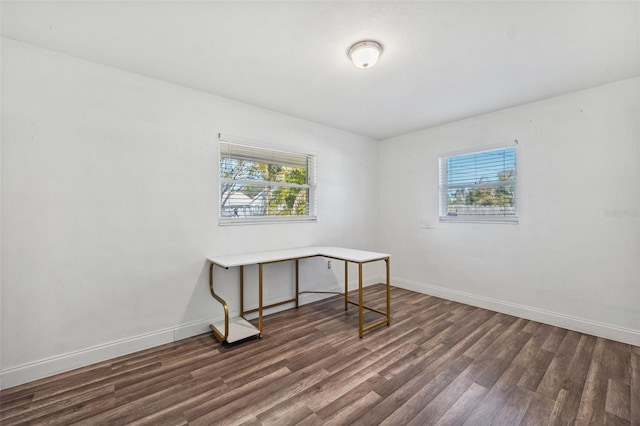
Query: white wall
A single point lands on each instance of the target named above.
(110, 204)
(574, 258)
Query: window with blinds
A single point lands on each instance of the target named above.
(479, 186)
(259, 185)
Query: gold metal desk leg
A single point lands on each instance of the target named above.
(260, 299)
(346, 285)
(360, 315)
(297, 283)
(387, 261)
(219, 336)
(242, 291)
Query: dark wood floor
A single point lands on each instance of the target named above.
(439, 362)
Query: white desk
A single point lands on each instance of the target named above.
(234, 329)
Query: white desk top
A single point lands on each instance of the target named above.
(351, 255)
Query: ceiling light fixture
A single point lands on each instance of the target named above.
(365, 54)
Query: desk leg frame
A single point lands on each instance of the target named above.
(260, 298)
(297, 283)
(216, 333)
(360, 303)
(346, 285)
(362, 329)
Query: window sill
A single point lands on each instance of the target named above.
(231, 221)
(479, 219)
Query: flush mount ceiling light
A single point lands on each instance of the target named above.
(365, 54)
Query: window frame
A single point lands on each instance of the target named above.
(273, 152)
(443, 187)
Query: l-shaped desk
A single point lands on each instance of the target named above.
(234, 329)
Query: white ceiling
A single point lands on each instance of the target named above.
(443, 61)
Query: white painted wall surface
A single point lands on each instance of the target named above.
(110, 205)
(574, 258)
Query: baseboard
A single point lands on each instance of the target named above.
(25, 373)
(40, 369)
(608, 331)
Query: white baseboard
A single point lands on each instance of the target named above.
(608, 331)
(60, 363)
(40, 369)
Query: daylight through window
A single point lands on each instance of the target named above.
(479, 186)
(260, 185)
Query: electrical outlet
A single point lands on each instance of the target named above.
(328, 264)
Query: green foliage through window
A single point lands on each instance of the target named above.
(479, 185)
(259, 183)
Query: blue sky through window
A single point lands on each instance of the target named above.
(480, 167)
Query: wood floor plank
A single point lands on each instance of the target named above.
(571, 405)
(576, 373)
(173, 411)
(124, 412)
(285, 414)
(174, 419)
(536, 370)
(618, 401)
(428, 388)
(492, 406)
(242, 410)
(355, 395)
(529, 352)
(575, 379)
(481, 345)
(557, 407)
(556, 374)
(457, 414)
(515, 407)
(538, 412)
(353, 411)
(554, 339)
(435, 410)
(613, 420)
(44, 407)
(440, 362)
(504, 339)
(236, 394)
(594, 393)
(68, 414)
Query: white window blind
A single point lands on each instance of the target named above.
(259, 185)
(479, 186)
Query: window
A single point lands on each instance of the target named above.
(259, 185)
(479, 186)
